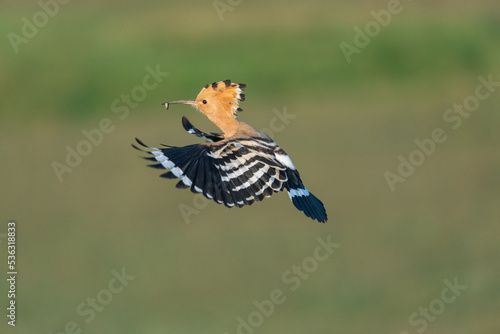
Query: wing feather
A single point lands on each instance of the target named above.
(233, 172)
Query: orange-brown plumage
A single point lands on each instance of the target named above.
(220, 103)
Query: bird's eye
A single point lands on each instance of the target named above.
(204, 101)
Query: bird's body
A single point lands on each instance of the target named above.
(238, 167)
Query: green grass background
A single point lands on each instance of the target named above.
(351, 123)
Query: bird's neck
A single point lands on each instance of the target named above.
(228, 124)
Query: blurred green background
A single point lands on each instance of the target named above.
(351, 122)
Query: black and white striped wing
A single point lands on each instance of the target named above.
(234, 172)
(210, 137)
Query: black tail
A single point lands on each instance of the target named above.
(303, 199)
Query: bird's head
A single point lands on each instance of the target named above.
(220, 99)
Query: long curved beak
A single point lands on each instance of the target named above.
(191, 102)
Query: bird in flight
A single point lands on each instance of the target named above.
(237, 167)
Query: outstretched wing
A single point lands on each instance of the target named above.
(212, 137)
(233, 172)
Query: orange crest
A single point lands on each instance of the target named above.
(223, 94)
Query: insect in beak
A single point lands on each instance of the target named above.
(191, 102)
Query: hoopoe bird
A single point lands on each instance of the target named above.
(237, 167)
